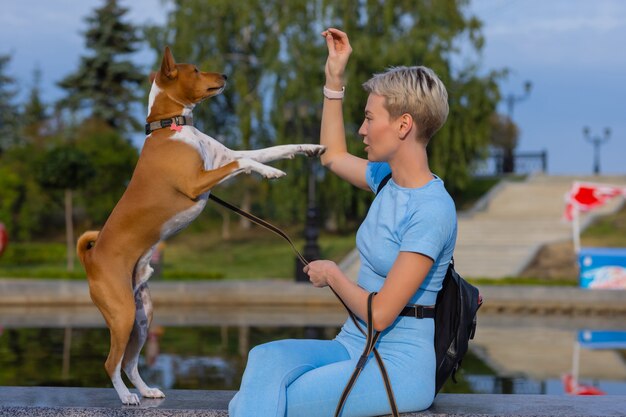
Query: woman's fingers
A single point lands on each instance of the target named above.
(336, 40)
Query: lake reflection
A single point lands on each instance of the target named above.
(206, 349)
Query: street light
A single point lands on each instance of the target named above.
(311, 250)
(596, 141)
(508, 159)
(513, 99)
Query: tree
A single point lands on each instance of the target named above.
(274, 56)
(9, 112)
(35, 114)
(113, 160)
(66, 168)
(105, 83)
(23, 204)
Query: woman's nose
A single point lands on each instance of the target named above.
(362, 130)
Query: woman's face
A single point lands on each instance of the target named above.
(378, 130)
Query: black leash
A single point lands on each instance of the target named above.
(372, 335)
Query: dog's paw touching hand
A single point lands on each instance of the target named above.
(313, 150)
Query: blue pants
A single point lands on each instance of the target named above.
(305, 378)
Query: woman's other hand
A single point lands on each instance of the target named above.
(322, 272)
(339, 51)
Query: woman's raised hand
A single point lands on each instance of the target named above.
(339, 51)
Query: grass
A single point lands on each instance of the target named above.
(608, 231)
(258, 254)
(474, 191)
(189, 256)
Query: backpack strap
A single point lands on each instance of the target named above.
(383, 183)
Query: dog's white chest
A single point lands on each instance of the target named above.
(180, 220)
(213, 153)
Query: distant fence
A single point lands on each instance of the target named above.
(521, 163)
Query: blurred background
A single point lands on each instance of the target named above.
(536, 104)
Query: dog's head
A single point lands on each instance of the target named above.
(184, 83)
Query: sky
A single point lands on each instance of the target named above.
(567, 49)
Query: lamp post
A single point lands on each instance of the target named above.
(508, 159)
(513, 99)
(311, 250)
(596, 141)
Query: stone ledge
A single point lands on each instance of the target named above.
(101, 402)
(518, 299)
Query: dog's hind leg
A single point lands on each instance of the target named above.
(114, 298)
(143, 318)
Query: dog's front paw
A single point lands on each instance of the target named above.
(130, 399)
(269, 172)
(153, 393)
(313, 150)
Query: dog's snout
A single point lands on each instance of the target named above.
(225, 77)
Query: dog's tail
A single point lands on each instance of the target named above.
(86, 242)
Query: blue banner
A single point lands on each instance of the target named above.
(602, 339)
(602, 268)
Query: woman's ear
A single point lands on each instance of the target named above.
(405, 125)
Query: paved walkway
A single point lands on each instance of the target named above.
(103, 402)
(505, 230)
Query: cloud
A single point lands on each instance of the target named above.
(520, 18)
(564, 25)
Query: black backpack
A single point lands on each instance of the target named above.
(458, 302)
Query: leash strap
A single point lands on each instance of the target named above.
(372, 335)
(372, 339)
(260, 222)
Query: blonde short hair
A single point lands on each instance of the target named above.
(413, 90)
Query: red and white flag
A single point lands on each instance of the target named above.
(586, 196)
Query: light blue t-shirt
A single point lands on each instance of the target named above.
(421, 220)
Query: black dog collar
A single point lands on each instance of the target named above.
(176, 121)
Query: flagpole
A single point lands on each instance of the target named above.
(576, 228)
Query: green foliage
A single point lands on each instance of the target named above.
(475, 189)
(105, 83)
(274, 56)
(42, 153)
(34, 115)
(33, 253)
(608, 231)
(64, 167)
(8, 110)
(113, 159)
(24, 206)
(100, 163)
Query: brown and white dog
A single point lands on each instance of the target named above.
(177, 168)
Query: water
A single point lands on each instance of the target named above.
(206, 349)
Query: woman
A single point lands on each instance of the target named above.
(405, 243)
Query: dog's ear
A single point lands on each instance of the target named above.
(168, 65)
(152, 76)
